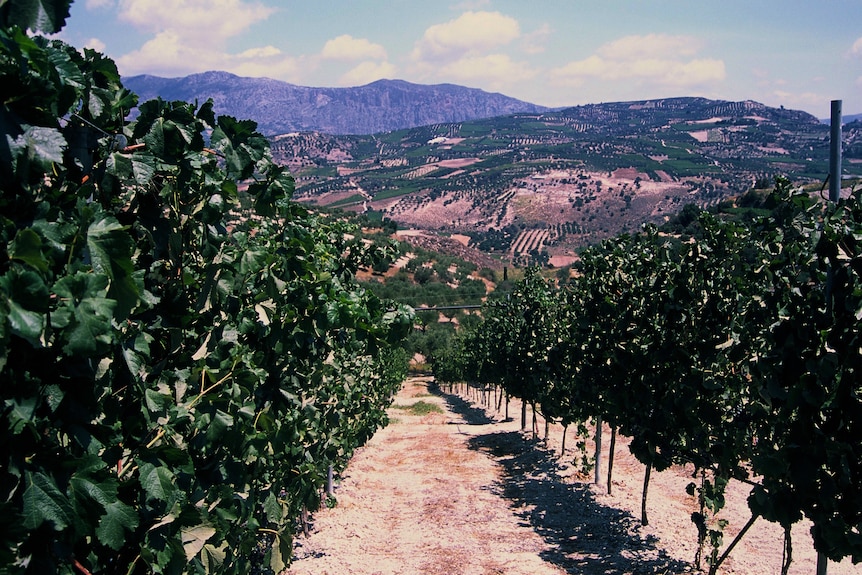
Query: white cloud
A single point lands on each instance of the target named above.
(167, 54)
(95, 44)
(654, 61)
(534, 42)
(797, 100)
(367, 72)
(199, 20)
(495, 70)
(262, 52)
(190, 36)
(650, 46)
(95, 4)
(277, 66)
(856, 50)
(471, 32)
(346, 47)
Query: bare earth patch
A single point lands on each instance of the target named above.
(466, 491)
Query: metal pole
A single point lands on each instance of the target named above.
(835, 152)
(834, 195)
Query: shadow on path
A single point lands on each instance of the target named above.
(584, 536)
(472, 415)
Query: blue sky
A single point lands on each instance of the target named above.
(799, 54)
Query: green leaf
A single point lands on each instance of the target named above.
(102, 491)
(219, 424)
(25, 296)
(273, 509)
(84, 316)
(110, 249)
(27, 247)
(117, 520)
(38, 145)
(20, 413)
(45, 503)
(48, 16)
(158, 481)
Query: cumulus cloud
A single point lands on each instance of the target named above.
(367, 72)
(657, 46)
(95, 44)
(856, 49)
(494, 70)
(346, 47)
(797, 100)
(471, 32)
(478, 49)
(190, 36)
(654, 60)
(534, 42)
(168, 54)
(215, 20)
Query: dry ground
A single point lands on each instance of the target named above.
(464, 491)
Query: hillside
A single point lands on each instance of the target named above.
(537, 186)
(279, 107)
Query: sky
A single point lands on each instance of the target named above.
(801, 54)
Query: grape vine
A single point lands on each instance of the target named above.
(178, 373)
(734, 350)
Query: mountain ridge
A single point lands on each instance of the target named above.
(381, 106)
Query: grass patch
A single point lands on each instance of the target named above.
(420, 408)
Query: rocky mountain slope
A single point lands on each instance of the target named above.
(279, 107)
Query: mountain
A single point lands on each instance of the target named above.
(540, 185)
(279, 107)
(845, 119)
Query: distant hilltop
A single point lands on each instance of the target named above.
(382, 106)
(845, 119)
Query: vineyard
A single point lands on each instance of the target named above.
(733, 349)
(185, 353)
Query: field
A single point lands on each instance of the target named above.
(465, 491)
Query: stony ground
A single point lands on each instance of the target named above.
(456, 488)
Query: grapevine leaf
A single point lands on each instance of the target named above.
(219, 424)
(25, 323)
(85, 315)
(273, 508)
(20, 413)
(47, 16)
(213, 558)
(194, 539)
(117, 520)
(158, 481)
(38, 145)
(26, 297)
(110, 250)
(104, 492)
(27, 247)
(45, 503)
(281, 552)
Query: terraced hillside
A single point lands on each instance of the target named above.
(574, 176)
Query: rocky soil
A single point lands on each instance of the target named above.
(462, 490)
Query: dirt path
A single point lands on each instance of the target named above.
(462, 491)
